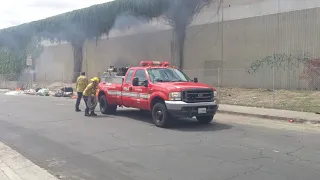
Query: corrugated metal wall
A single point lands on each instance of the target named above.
(272, 51)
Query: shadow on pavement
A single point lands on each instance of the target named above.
(179, 124)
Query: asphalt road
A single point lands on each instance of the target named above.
(129, 147)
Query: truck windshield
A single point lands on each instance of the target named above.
(167, 75)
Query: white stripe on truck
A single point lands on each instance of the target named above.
(128, 94)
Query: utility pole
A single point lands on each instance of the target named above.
(30, 70)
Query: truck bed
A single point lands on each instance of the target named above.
(112, 79)
(112, 85)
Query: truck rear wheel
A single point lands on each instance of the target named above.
(160, 115)
(105, 108)
(204, 119)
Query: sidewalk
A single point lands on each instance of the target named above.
(274, 114)
(13, 166)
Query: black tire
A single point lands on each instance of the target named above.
(105, 108)
(160, 115)
(204, 119)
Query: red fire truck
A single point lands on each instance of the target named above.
(163, 90)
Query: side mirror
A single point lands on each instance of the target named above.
(145, 83)
(195, 80)
(135, 81)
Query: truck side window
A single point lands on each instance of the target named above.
(128, 77)
(141, 74)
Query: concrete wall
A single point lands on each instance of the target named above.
(254, 47)
(129, 50)
(55, 64)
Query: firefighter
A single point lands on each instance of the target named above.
(89, 96)
(82, 83)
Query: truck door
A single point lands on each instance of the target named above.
(142, 92)
(127, 97)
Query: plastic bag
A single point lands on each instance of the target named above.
(43, 92)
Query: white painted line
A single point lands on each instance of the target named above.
(13, 166)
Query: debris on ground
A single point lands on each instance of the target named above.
(43, 92)
(58, 86)
(67, 89)
(30, 92)
(63, 94)
(56, 89)
(14, 93)
(52, 93)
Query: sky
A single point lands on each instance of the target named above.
(15, 12)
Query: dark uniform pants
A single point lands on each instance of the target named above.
(78, 99)
(85, 98)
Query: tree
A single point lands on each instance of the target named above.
(93, 22)
(80, 25)
(13, 59)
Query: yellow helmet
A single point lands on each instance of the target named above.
(95, 79)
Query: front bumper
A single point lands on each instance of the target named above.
(183, 109)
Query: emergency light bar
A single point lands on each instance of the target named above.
(154, 63)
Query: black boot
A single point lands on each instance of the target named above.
(86, 113)
(92, 113)
(77, 108)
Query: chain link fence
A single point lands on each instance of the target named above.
(297, 90)
(24, 81)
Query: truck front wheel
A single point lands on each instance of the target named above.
(204, 119)
(160, 115)
(106, 108)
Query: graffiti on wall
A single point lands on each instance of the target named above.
(279, 61)
(311, 66)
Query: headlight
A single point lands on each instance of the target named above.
(215, 94)
(175, 96)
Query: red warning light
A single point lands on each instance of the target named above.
(154, 63)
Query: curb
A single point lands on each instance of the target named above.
(270, 117)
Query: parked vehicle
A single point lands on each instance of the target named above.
(163, 90)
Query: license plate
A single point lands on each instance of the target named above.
(202, 110)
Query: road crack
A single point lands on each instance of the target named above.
(245, 173)
(298, 158)
(262, 156)
(291, 154)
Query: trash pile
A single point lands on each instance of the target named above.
(64, 92)
(43, 92)
(14, 93)
(55, 89)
